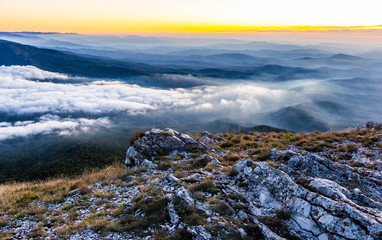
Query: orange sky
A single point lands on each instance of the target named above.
(188, 16)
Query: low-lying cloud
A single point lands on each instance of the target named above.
(22, 96)
(18, 95)
(29, 72)
(48, 124)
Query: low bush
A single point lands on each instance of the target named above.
(263, 154)
(26, 198)
(202, 186)
(222, 208)
(352, 148)
(136, 136)
(226, 144)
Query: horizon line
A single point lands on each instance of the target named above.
(218, 29)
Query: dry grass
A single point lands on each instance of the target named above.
(202, 186)
(18, 194)
(257, 145)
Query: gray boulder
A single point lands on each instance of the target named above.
(324, 214)
(185, 195)
(311, 165)
(208, 139)
(160, 142)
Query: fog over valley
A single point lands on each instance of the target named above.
(65, 89)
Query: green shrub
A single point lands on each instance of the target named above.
(181, 234)
(283, 214)
(367, 143)
(232, 158)
(252, 144)
(236, 196)
(341, 148)
(202, 186)
(166, 134)
(301, 142)
(198, 163)
(276, 225)
(226, 144)
(210, 167)
(26, 198)
(318, 146)
(154, 208)
(141, 169)
(84, 190)
(264, 154)
(164, 165)
(230, 171)
(247, 137)
(352, 148)
(136, 136)
(253, 231)
(129, 223)
(194, 219)
(213, 201)
(200, 196)
(4, 221)
(222, 208)
(357, 164)
(180, 174)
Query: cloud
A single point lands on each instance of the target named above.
(39, 104)
(20, 96)
(29, 72)
(241, 100)
(48, 124)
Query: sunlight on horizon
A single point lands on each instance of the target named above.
(185, 16)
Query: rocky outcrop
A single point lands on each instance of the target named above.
(176, 187)
(318, 198)
(159, 142)
(209, 140)
(373, 125)
(321, 210)
(307, 165)
(306, 187)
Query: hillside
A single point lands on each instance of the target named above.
(56, 61)
(261, 185)
(137, 65)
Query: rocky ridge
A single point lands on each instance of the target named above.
(229, 187)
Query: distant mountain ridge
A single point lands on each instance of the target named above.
(56, 61)
(203, 66)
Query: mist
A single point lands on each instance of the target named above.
(185, 81)
(70, 102)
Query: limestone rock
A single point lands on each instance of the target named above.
(148, 164)
(185, 195)
(312, 215)
(160, 142)
(199, 233)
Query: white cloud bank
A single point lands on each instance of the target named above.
(21, 96)
(48, 124)
(18, 95)
(29, 72)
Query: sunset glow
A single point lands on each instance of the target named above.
(185, 16)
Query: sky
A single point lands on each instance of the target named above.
(187, 16)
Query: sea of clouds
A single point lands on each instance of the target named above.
(27, 91)
(49, 124)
